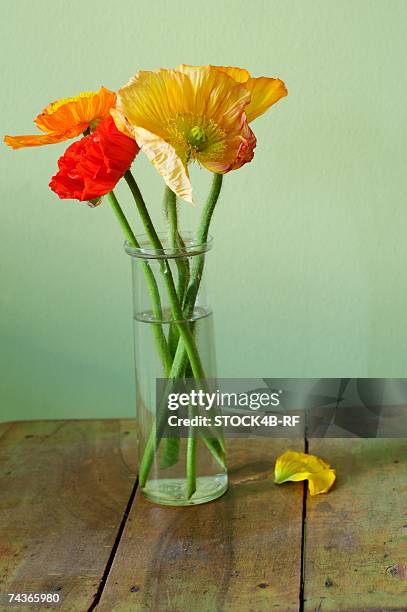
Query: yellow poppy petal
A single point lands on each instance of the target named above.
(215, 96)
(150, 98)
(264, 93)
(240, 75)
(121, 123)
(321, 482)
(238, 155)
(166, 161)
(294, 466)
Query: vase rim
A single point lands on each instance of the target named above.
(192, 246)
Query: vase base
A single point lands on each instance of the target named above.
(173, 491)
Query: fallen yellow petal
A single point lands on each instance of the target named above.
(296, 466)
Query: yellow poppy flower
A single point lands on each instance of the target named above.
(296, 466)
(193, 113)
(67, 118)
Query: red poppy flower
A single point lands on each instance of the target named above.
(92, 166)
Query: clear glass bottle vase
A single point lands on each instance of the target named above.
(173, 341)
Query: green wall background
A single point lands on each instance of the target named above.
(310, 237)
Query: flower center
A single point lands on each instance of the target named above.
(93, 124)
(197, 137)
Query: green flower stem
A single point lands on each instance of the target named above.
(215, 446)
(202, 237)
(170, 455)
(186, 349)
(176, 308)
(172, 445)
(176, 243)
(191, 457)
(198, 266)
(159, 336)
(124, 224)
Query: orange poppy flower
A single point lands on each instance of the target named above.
(67, 118)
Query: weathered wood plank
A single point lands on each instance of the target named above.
(240, 552)
(356, 536)
(64, 489)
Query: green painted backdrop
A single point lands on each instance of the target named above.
(311, 246)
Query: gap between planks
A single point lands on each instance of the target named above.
(112, 593)
(114, 548)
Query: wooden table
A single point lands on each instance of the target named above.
(72, 522)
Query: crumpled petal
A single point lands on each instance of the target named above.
(91, 166)
(121, 123)
(243, 154)
(295, 466)
(166, 161)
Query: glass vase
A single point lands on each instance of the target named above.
(173, 340)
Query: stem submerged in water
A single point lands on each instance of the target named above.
(191, 457)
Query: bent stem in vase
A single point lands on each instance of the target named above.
(172, 444)
(176, 244)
